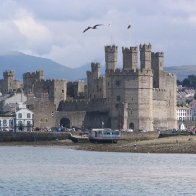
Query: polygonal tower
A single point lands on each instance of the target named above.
(111, 53)
(130, 58)
(8, 76)
(157, 66)
(145, 56)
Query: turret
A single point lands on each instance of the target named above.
(157, 66)
(158, 60)
(111, 53)
(145, 56)
(130, 58)
(9, 75)
(95, 70)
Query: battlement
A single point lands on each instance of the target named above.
(129, 50)
(8, 73)
(158, 54)
(123, 72)
(158, 90)
(39, 74)
(84, 105)
(145, 47)
(95, 66)
(54, 81)
(112, 48)
(159, 94)
(170, 74)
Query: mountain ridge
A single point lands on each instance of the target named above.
(22, 63)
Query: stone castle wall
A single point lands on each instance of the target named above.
(136, 96)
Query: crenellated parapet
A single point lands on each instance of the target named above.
(37, 75)
(95, 66)
(9, 74)
(111, 49)
(159, 94)
(129, 50)
(145, 47)
(84, 105)
(122, 72)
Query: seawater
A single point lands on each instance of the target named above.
(37, 171)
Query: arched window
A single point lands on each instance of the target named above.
(11, 122)
(19, 115)
(28, 115)
(131, 125)
(4, 123)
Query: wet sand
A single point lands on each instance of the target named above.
(136, 143)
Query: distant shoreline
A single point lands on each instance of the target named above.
(177, 144)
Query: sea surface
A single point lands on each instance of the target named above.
(37, 171)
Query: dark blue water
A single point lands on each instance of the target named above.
(61, 171)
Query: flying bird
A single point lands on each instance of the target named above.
(129, 26)
(93, 27)
(87, 29)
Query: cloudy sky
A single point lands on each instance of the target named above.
(53, 28)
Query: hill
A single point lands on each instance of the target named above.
(22, 63)
(182, 71)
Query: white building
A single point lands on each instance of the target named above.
(184, 113)
(24, 118)
(7, 122)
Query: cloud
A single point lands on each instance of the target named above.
(53, 29)
(37, 36)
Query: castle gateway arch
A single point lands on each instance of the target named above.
(65, 122)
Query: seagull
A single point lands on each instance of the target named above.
(93, 27)
(129, 26)
(87, 29)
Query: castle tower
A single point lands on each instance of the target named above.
(29, 80)
(95, 70)
(57, 91)
(9, 77)
(157, 66)
(95, 82)
(130, 58)
(111, 53)
(40, 74)
(145, 56)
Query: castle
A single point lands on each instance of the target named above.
(134, 97)
(138, 98)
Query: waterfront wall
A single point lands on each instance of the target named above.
(32, 136)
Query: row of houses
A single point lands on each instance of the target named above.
(187, 112)
(19, 120)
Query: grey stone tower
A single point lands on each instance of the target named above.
(111, 53)
(9, 77)
(130, 56)
(145, 56)
(157, 66)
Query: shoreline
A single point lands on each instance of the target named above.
(176, 144)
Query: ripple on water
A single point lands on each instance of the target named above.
(58, 171)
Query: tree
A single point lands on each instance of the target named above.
(186, 82)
